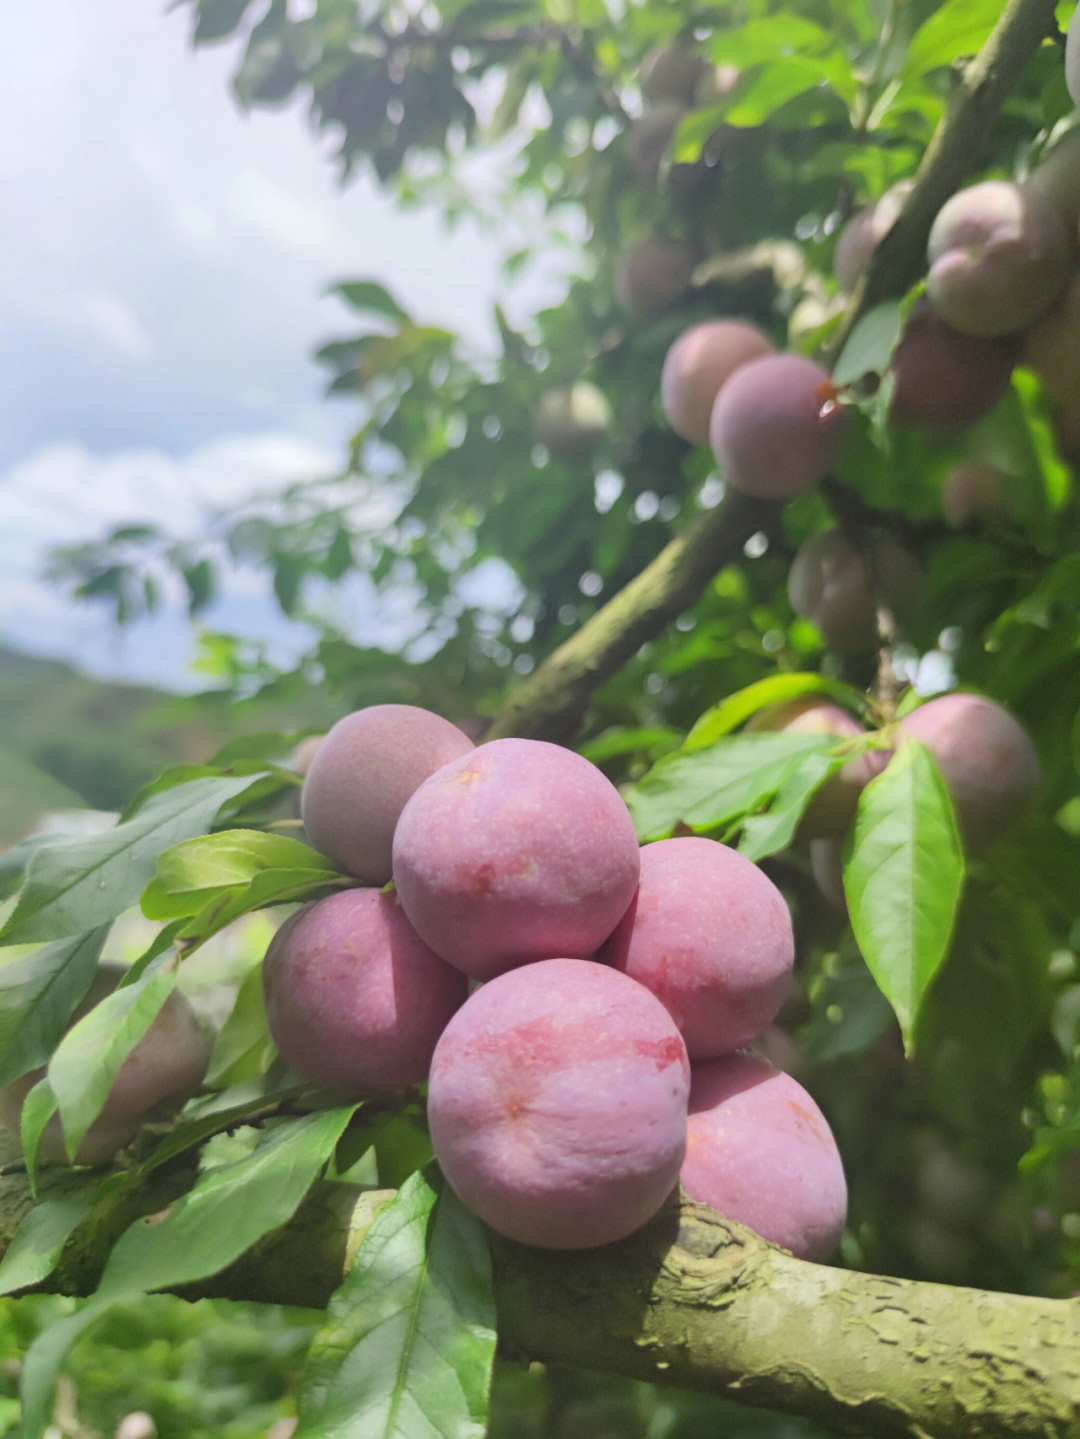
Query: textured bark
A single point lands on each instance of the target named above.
(693, 1302)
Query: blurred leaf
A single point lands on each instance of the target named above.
(74, 884)
(713, 787)
(903, 874)
(40, 1238)
(370, 297)
(870, 345)
(410, 1338)
(737, 708)
(217, 19)
(955, 31)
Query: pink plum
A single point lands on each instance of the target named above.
(355, 1000)
(698, 364)
(710, 935)
(557, 1104)
(521, 850)
(760, 1152)
(360, 776)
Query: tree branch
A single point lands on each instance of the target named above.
(694, 1302)
(551, 702)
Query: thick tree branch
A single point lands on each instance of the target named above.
(550, 703)
(694, 1302)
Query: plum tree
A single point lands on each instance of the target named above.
(557, 1104)
(832, 807)
(776, 426)
(698, 364)
(355, 1000)
(944, 378)
(986, 758)
(357, 783)
(161, 1072)
(831, 584)
(760, 1151)
(518, 851)
(710, 935)
(998, 256)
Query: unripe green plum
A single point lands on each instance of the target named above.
(760, 1152)
(698, 364)
(162, 1071)
(652, 274)
(986, 758)
(355, 1000)
(832, 808)
(829, 584)
(571, 422)
(999, 256)
(557, 1104)
(973, 493)
(776, 426)
(356, 786)
(518, 851)
(944, 378)
(710, 935)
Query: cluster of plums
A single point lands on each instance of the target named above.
(985, 756)
(578, 1004)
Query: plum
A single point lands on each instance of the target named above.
(710, 935)
(652, 274)
(162, 1071)
(944, 378)
(557, 1104)
(986, 758)
(760, 1152)
(357, 783)
(519, 851)
(698, 364)
(830, 584)
(998, 255)
(1051, 347)
(776, 425)
(858, 239)
(832, 808)
(355, 1000)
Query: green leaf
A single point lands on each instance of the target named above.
(870, 344)
(737, 708)
(40, 1238)
(902, 877)
(765, 834)
(38, 995)
(230, 1207)
(712, 788)
(73, 885)
(410, 1339)
(90, 1055)
(198, 870)
(370, 297)
(39, 1106)
(956, 30)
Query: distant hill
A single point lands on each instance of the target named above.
(70, 741)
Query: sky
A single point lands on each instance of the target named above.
(167, 259)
